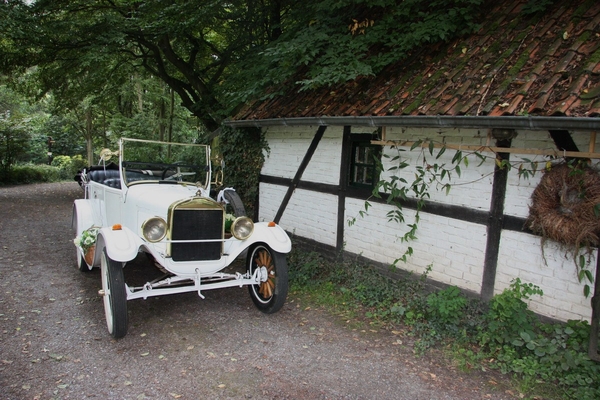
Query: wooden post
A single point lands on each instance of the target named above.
(495, 223)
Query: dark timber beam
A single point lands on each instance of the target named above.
(300, 172)
(342, 189)
(496, 216)
(563, 140)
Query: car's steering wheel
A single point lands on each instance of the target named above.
(177, 175)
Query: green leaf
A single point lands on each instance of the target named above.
(457, 157)
(442, 151)
(416, 144)
(525, 336)
(431, 146)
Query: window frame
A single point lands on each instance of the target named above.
(352, 143)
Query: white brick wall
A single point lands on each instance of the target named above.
(287, 151)
(454, 248)
(309, 214)
(521, 257)
(271, 197)
(471, 189)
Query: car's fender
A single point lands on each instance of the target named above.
(273, 236)
(83, 217)
(121, 245)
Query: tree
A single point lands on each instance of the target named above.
(16, 117)
(216, 55)
(188, 44)
(331, 42)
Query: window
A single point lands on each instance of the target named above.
(363, 165)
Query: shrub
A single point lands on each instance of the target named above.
(30, 173)
(69, 166)
(446, 306)
(508, 316)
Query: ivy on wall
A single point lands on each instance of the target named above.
(243, 151)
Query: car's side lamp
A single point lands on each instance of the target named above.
(117, 227)
(272, 224)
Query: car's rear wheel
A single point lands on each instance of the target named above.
(81, 265)
(268, 296)
(114, 296)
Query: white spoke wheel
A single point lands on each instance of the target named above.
(114, 296)
(268, 296)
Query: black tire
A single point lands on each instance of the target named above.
(80, 262)
(268, 296)
(81, 265)
(114, 296)
(235, 202)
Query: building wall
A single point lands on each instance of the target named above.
(453, 247)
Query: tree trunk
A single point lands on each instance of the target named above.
(171, 116)
(140, 95)
(88, 136)
(161, 120)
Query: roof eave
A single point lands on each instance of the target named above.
(434, 121)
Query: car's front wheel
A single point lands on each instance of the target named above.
(114, 296)
(270, 294)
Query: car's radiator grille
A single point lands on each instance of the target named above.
(194, 224)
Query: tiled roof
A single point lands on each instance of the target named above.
(515, 65)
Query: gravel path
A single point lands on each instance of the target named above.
(54, 343)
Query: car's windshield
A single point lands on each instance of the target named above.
(145, 161)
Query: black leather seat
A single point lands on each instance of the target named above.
(109, 177)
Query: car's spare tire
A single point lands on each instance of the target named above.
(235, 202)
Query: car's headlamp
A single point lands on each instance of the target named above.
(242, 228)
(154, 229)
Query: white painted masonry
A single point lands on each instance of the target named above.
(455, 249)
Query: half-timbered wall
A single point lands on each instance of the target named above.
(453, 230)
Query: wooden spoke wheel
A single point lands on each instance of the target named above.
(270, 294)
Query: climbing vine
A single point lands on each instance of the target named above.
(431, 171)
(243, 155)
(396, 190)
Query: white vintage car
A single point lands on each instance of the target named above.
(157, 201)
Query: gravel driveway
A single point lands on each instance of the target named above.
(54, 343)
